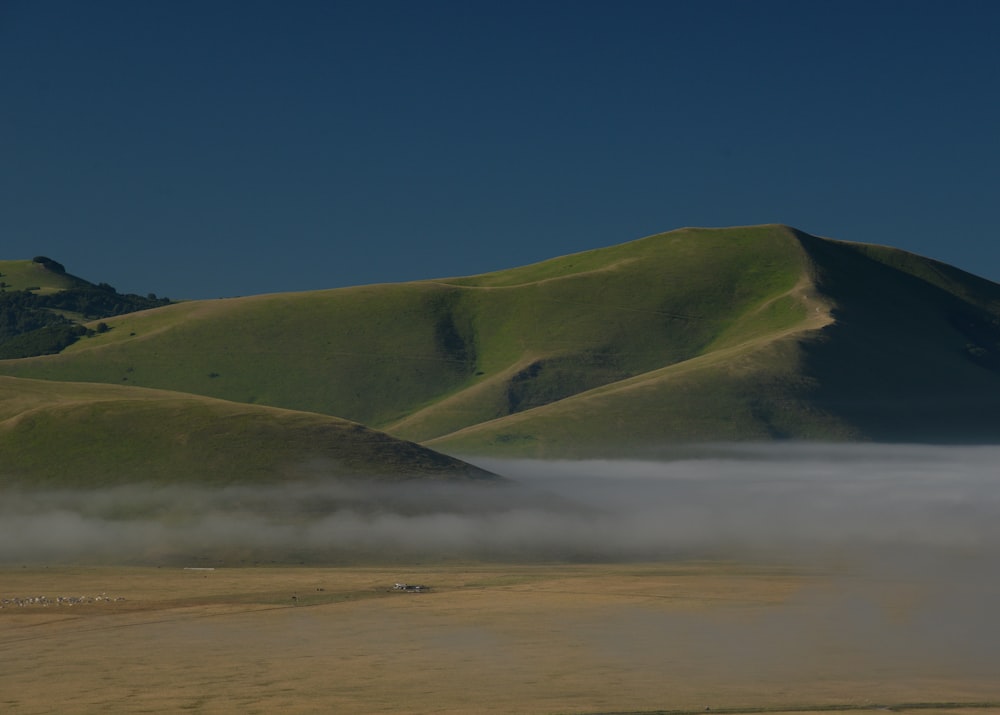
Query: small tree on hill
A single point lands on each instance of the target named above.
(49, 264)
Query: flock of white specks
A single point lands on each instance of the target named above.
(45, 601)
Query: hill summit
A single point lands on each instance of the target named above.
(746, 333)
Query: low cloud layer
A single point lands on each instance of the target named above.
(884, 503)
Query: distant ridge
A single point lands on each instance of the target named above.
(746, 333)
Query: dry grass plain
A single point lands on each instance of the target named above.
(488, 638)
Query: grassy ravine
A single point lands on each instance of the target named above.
(698, 334)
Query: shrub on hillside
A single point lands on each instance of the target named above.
(99, 301)
(20, 313)
(30, 324)
(47, 340)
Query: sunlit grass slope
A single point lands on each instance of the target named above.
(427, 358)
(749, 392)
(697, 334)
(67, 435)
(909, 351)
(29, 275)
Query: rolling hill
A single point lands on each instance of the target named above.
(77, 435)
(748, 333)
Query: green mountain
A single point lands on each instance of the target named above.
(693, 335)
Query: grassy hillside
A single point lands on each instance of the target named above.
(34, 276)
(42, 308)
(698, 334)
(899, 348)
(69, 435)
(914, 351)
(750, 392)
(427, 358)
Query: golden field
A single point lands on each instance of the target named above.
(486, 638)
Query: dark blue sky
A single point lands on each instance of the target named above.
(215, 148)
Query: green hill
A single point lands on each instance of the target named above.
(698, 334)
(43, 308)
(39, 276)
(70, 435)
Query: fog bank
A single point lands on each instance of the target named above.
(884, 504)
